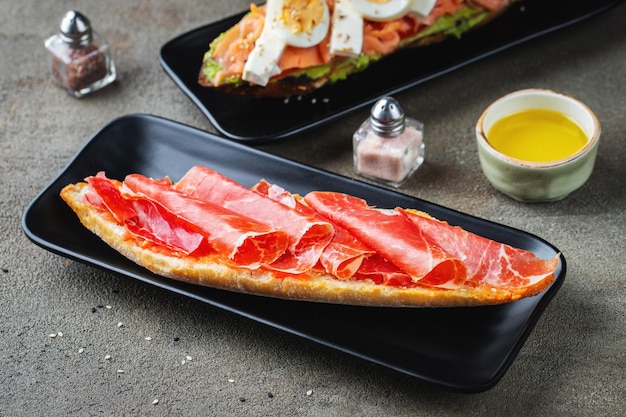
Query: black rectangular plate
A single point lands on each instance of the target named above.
(255, 120)
(464, 349)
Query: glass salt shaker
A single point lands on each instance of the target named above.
(80, 58)
(388, 147)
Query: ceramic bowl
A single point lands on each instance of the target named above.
(537, 181)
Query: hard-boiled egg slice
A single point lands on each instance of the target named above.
(346, 37)
(380, 10)
(300, 23)
(422, 7)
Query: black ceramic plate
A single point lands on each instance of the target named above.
(258, 120)
(466, 349)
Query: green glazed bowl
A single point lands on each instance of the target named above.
(537, 181)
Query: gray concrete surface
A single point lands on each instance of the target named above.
(573, 363)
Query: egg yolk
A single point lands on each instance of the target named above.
(301, 16)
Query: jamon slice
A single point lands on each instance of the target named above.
(392, 236)
(161, 213)
(488, 262)
(143, 218)
(345, 256)
(308, 236)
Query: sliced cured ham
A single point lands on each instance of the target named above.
(241, 239)
(143, 218)
(308, 235)
(488, 262)
(367, 256)
(155, 210)
(392, 236)
(345, 256)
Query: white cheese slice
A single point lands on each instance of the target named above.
(262, 63)
(422, 7)
(346, 38)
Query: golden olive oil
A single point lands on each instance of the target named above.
(537, 135)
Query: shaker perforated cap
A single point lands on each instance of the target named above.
(75, 28)
(387, 117)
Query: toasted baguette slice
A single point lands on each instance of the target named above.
(211, 272)
(299, 81)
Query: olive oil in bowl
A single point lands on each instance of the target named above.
(537, 135)
(537, 145)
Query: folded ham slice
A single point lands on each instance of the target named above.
(308, 235)
(154, 210)
(488, 262)
(392, 236)
(345, 257)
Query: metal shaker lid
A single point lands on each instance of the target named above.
(387, 117)
(76, 29)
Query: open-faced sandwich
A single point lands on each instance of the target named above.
(289, 47)
(325, 246)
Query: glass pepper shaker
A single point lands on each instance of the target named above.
(80, 58)
(388, 147)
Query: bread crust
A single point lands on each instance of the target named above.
(210, 272)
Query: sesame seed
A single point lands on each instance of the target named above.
(182, 362)
(52, 335)
(120, 371)
(81, 350)
(309, 392)
(60, 334)
(155, 402)
(147, 338)
(120, 324)
(107, 357)
(188, 357)
(313, 100)
(231, 380)
(108, 307)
